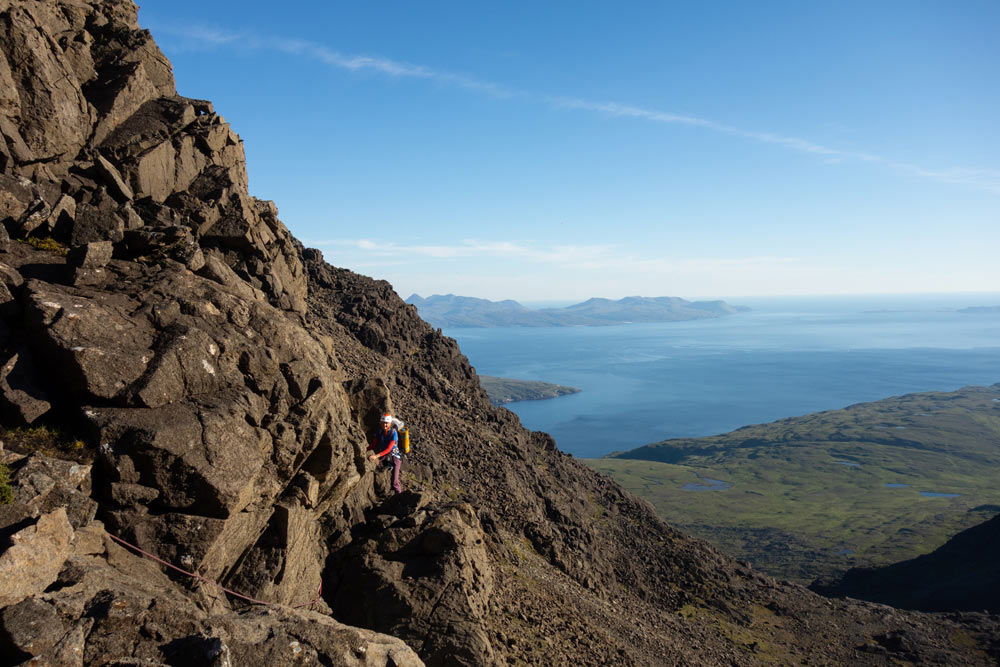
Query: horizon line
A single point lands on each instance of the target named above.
(723, 298)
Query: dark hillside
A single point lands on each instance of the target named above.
(180, 373)
(961, 575)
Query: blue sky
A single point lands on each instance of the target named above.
(563, 150)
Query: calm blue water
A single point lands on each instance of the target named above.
(646, 382)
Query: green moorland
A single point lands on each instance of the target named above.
(808, 496)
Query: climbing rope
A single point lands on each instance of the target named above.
(195, 575)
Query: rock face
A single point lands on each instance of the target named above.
(223, 381)
(97, 146)
(70, 595)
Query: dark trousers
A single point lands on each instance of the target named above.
(395, 464)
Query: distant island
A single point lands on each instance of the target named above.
(978, 310)
(508, 390)
(449, 310)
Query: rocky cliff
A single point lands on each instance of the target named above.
(179, 373)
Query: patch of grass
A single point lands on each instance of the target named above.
(47, 440)
(6, 493)
(962, 639)
(596, 511)
(48, 244)
(522, 548)
(746, 637)
(793, 510)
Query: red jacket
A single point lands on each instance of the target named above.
(387, 439)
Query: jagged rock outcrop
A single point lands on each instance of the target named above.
(419, 571)
(222, 380)
(70, 595)
(98, 146)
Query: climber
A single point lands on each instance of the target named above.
(386, 443)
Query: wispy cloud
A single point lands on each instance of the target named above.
(201, 37)
(558, 254)
(603, 258)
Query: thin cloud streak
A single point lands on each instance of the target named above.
(472, 248)
(576, 257)
(333, 58)
(981, 179)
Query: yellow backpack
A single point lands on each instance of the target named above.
(404, 435)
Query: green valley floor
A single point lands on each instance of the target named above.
(812, 496)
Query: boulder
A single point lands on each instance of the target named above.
(23, 398)
(19, 151)
(154, 172)
(10, 276)
(29, 628)
(276, 636)
(93, 223)
(216, 269)
(172, 242)
(35, 557)
(157, 448)
(90, 255)
(420, 572)
(120, 97)
(93, 338)
(43, 484)
(15, 196)
(34, 217)
(62, 214)
(113, 179)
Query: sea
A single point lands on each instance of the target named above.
(642, 383)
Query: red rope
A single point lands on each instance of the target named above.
(194, 575)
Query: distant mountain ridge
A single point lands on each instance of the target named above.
(450, 310)
(978, 310)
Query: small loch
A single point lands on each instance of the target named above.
(706, 484)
